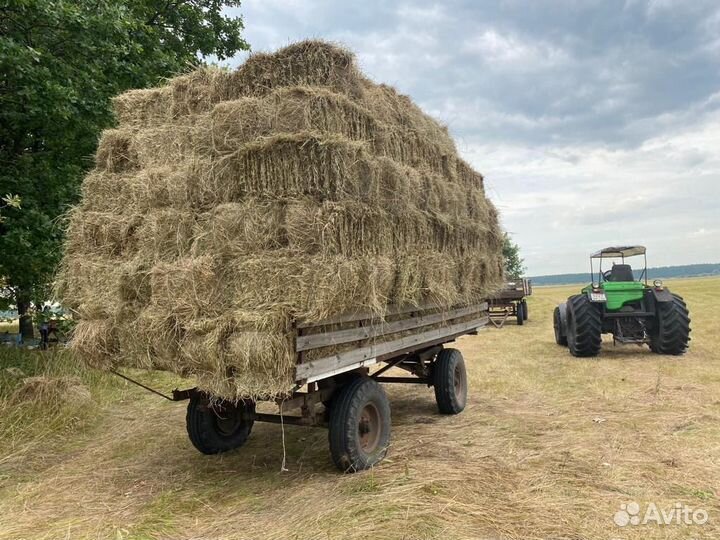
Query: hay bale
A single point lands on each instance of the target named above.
(144, 107)
(102, 233)
(165, 234)
(164, 145)
(290, 110)
(194, 93)
(355, 229)
(238, 122)
(468, 176)
(95, 341)
(306, 63)
(89, 284)
(228, 204)
(301, 109)
(241, 346)
(141, 190)
(298, 165)
(115, 152)
(241, 228)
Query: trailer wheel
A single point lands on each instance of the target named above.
(560, 336)
(450, 381)
(359, 428)
(525, 310)
(519, 313)
(217, 427)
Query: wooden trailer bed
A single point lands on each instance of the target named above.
(341, 391)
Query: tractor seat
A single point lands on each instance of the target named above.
(621, 272)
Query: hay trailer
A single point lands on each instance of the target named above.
(342, 392)
(510, 301)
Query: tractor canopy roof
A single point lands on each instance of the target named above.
(619, 251)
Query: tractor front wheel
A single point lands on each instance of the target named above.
(671, 333)
(584, 326)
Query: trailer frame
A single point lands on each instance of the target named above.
(320, 381)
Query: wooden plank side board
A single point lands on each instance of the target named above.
(508, 294)
(362, 315)
(336, 363)
(381, 328)
(367, 315)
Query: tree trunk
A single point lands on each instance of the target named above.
(26, 323)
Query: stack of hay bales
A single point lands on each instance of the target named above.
(226, 205)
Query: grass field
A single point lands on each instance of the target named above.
(549, 446)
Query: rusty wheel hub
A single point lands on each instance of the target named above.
(369, 428)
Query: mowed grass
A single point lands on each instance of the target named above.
(549, 446)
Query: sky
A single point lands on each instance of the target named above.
(594, 122)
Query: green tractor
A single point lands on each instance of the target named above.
(629, 309)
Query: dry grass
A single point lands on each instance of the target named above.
(548, 447)
(50, 391)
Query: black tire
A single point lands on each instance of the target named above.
(338, 381)
(519, 313)
(560, 337)
(359, 427)
(450, 381)
(671, 333)
(217, 427)
(526, 313)
(584, 326)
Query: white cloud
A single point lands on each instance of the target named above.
(562, 202)
(421, 14)
(503, 50)
(400, 58)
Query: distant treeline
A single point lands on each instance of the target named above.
(661, 272)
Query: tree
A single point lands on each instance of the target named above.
(513, 262)
(60, 63)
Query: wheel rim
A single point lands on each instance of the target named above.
(459, 383)
(369, 428)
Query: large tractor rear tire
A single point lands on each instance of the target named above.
(584, 326)
(671, 333)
